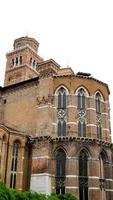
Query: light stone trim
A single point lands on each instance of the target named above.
(109, 180)
(94, 188)
(72, 187)
(20, 189)
(72, 176)
(76, 176)
(105, 114)
(109, 190)
(91, 109)
(71, 106)
(40, 157)
(93, 177)
(72, 123)
(42, 174)
(105, 129)
(54, 124)
(44, 106)
(91, 125)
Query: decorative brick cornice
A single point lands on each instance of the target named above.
(83, 77)
(73, 139)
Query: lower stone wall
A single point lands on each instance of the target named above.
(41, 183)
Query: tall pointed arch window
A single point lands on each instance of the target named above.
(98, 102)
(14, 163)
(81, 99)
(83, 175)
(61, 112)
(103, 171)
(60, 171)
(62, 98)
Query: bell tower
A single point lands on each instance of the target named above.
(22, 61)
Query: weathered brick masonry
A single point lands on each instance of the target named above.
(55, 131)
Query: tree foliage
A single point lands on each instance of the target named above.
(8, 194)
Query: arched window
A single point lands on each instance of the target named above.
(16, 61)
(61, 112)
(12, 63)
(34, 64)
(99, 131)
(20, 60)
(14, 164)
(98, 103)
(81, 129)
(30, 62)
(81, 99)
(60, 171)
(62, 98)
(103, 171)
(83, 175)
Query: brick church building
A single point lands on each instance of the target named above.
(55, 131)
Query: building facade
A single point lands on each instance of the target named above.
(55, 131)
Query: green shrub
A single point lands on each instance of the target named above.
(8, 194)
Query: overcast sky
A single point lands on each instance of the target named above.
(75, 33)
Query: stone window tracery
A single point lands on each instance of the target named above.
(61, 112)
(60, 171)
(83, 175)
(14, 164)
(98, 99)
(81, 112)
(98, 103)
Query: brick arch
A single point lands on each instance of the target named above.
(100, 93)
(84, 88)
(61, 86)
(86, 149)
(17, 140)
(103, 153)
(4, 137)
(60, 147)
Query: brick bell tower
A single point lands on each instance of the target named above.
(22, 61)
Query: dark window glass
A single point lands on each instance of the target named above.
(99, 131)
(98, 103)
(59, 100)
(30, 62)
(14, 181)
(62, 98)
(62, 128)
(83, 179)
(81, 129)
(13, 62)
(60, 171)
(11, 180)
(59, 128)
(20, 60)
(34, 63)
(16, 60)
(81, 99)
(84, 129)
